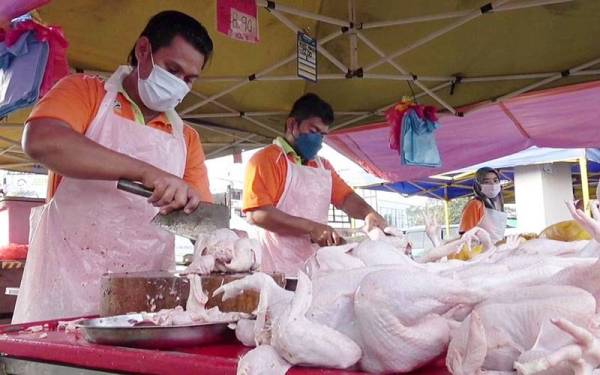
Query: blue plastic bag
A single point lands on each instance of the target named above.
(22, 68)
(419, 147)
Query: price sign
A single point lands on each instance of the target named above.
(238, 19)
(307, 57)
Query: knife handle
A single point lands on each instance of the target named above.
(134, 187)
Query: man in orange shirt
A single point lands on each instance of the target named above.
(288, 190)
(91, 133)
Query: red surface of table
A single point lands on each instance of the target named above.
(71, 349)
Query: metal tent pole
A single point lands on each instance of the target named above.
(402, 71)
(253, 77)
(287, 22)
(460, 13)
(550, 79)
(585, 187)
(272, 5)
(473, 14)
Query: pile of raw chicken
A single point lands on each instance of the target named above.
(221, 251)
(524, 306)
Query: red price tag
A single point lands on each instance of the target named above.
(238, 19)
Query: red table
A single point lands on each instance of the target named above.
(71, 349)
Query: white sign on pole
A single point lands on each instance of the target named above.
(307, 57)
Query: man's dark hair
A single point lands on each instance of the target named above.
(310, 105)
(164, 26)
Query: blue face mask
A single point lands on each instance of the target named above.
(308, 145)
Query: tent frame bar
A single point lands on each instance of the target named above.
(252, 77)
(380, 111)
(397, 66)
(247, 139)
(320, 49)
(272, 6)
(258, 114)
(473, 14)
(406, 77)
(352, 36)
(550, 79)
(456, 14)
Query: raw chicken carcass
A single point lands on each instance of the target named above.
(580, 357)
(380, 252)
(246, 256)
(303, 342)
(273, 300)
(590, 224)
(224, 251)
(195, 311)
(245, 332)
(399, 314)
(391, 235)
(333, 300)
(510, 325)
(281, 315)
(262, 360)
(583, 276)
(452, 247)
(336, 258)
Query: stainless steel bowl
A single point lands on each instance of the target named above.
(121, 330)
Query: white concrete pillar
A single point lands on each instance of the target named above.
(540, 193)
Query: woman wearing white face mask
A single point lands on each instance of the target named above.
(486, 209)
(90, 133)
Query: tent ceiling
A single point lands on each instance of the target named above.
(520, 37)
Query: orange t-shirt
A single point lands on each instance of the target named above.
(265, 179)
(472, 215)
(76, 99)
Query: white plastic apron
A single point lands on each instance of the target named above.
(494, 222)
(90, 228)
(307, 194)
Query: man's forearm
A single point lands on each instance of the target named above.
(356, 207)
(61, 149)
(275, 220)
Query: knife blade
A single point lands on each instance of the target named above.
(205, 219)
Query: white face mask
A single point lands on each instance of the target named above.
(490, 190)
(161, 91)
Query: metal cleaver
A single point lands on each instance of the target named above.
(207, 218)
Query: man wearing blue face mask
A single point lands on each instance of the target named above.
(90, 133)
(288, 190)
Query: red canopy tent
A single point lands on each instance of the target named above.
(564, 117)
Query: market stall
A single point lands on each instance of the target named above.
(452, 54)
(52, 346)
(365, 305)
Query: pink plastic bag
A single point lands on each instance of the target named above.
(10, 9)
(57, 66)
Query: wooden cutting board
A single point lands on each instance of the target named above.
(124, 293)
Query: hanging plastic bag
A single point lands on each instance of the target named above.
(57, 65)
(22, 67)
(394, 117)
(419, 147)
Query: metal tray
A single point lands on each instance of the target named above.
(120, 330)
